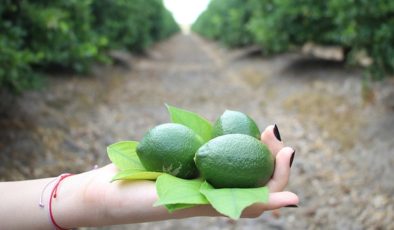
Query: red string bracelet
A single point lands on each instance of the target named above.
(53, 196)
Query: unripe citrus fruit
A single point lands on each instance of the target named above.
(235, 161)
(170, 148)
(231, 122)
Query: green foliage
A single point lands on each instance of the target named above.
(73, 34)
(369, 27)
(281, 25)
(198, 124)
(123, 155)
(136, 174)
(225, 20)
(232, 201)
(133, 25)
(168, 25)
(176, 193)
(59, 33)
(15, 58)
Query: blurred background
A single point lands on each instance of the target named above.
(78, 75)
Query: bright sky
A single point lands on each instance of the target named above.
(186, 12)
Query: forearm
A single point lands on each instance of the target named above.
(20, 208)
(19, 205)
(82, 200)
(89, 199)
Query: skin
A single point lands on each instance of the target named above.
(89, 199)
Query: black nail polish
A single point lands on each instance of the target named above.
(276, 133)
(292, 158)
(291, 206)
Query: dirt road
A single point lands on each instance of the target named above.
(342, 132)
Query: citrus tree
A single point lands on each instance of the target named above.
(225, 21)
(133, 25)
(283, 25)
(368, 27)
(36, 36)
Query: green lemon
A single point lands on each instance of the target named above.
(170, 148)
(235, 122)
(235, 161)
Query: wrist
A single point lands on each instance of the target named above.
(53, 195)
(70, 209)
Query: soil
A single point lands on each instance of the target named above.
(341, 128)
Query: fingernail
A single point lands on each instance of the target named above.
(291, 206)
(276, 133)
(292, 158)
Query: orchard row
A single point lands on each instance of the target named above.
(72, 34)
(284, 25)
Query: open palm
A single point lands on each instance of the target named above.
(124, 202)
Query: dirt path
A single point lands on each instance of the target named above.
(343, 165)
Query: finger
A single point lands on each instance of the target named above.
(276, 200)
(281, 174)
(272, 139)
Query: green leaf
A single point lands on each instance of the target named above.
(232, 201)
(123, 155)
(198, 124)
(135, 174)
(174, 207)
(176, 193)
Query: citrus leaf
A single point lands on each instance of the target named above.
(198, 124)
(135, 174)
(123, 155)
(176, 193)
(174, 207)
(232, 201)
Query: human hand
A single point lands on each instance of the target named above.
(123, 202)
